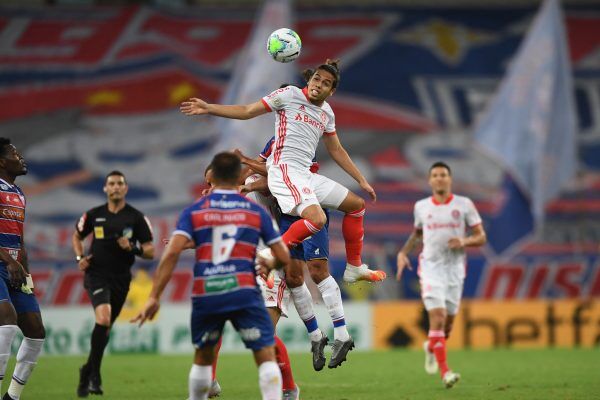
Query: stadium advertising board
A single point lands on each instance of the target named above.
(68, 331)
(490, 324)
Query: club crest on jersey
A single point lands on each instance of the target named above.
(302, 108)
(306, 190)
(323, 116)
(455, 214)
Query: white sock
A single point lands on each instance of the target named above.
(269, 380)
(29, 351)
(304, 305)
(200, 380)
(330, 291)
(7, 334)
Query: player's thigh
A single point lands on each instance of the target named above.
(254, 326)
(453, 297)
(8, 314)
(433, 295)
(330, 194)
(97, 288)
(118, 294)
(206, 328)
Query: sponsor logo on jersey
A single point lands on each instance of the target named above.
(3, 186)
(317, 252)
(13, 213)
(308, 120)
(449, 225)
(455, 214)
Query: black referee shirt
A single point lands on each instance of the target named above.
(107, 257)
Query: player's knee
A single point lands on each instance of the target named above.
(294, 280)
(103, 320)
(36, 332)
(319, 220)
(360, 203)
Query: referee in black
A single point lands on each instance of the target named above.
(120, 232)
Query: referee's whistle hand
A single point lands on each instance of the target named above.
(124, 243)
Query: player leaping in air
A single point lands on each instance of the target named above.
(303, 116)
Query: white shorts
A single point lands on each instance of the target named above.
(278, 296)
(436, 295)
(296, 189)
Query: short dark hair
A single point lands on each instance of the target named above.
(226, 168)
(331, 66)
(440, 164)
(114, 173)
(208, 168)
(4, 142)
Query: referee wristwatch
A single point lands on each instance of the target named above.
(79, 258)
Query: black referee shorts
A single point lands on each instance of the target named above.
(107, 290)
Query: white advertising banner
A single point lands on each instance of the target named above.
(69, 328)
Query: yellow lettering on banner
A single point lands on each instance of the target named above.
(99, 232)
(487, 324)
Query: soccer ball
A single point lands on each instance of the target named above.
(284, 45)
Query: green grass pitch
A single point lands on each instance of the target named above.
(494, 374)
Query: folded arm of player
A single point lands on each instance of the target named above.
(341, 157)
(195, 106)
(162, 276)
(475, 239)
(402, 259)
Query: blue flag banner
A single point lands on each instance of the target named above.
(530, 125)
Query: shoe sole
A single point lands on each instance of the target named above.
(344, 359)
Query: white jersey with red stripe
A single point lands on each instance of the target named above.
(299, 125)
(438, 265)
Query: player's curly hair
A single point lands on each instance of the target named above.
(331, 66)
(4, 142)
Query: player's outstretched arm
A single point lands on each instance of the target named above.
(402, 259)
(195, 106)
(162, 276)
(341, 157)
(476, 239)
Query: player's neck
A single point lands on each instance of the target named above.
(442, 197)
(226, 187)
(115, 207)
(7, 178)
